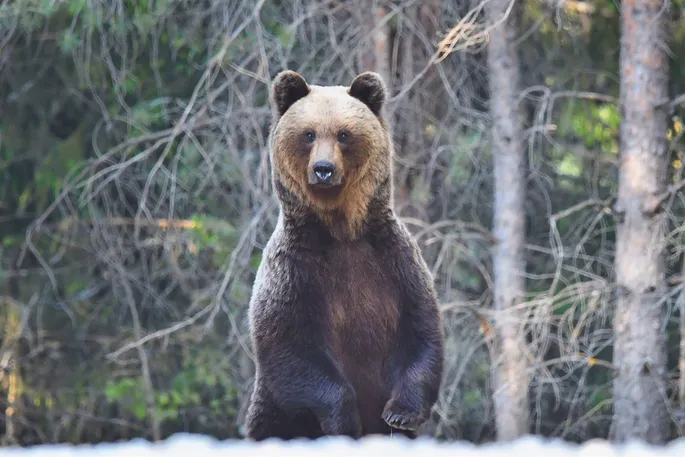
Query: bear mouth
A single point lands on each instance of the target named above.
(321, 185)
(326, 190)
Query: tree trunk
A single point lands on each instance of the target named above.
(9, 361)
(509, 359)
(376, 54)
(680, 419)
(640, 410)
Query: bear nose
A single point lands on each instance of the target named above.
(324, 171)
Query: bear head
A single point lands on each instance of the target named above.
(331, 150)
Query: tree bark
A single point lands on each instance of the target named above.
(640, 410)
(681, 359)
(509, 360)
(9, 359)
(376, 53)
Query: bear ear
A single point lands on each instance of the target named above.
(287, 88)
(370, 89)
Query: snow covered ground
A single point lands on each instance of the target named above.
(201, 446)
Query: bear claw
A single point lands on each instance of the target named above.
(403, 421)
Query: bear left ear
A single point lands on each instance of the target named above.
(288, 87)
(370, 89)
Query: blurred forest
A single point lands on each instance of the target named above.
(135, 199)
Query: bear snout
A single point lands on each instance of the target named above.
(323, 172)
(325, 168)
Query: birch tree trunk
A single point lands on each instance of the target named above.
(640, 410)
(509, 360)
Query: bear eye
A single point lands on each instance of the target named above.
(311, 136)
(343, 136)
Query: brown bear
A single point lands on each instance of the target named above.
(343, 314)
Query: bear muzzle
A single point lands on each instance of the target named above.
(324, 174)
(325, 167)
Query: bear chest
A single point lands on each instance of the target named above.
(362, 301)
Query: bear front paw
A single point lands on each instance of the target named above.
(402, 416)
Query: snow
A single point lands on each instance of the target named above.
(376, 446)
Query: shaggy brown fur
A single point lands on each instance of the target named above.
(343, 314)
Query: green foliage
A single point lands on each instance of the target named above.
(149, 115)
(129, 394)
(256, 260)
(461, 160)
(69, 41)
(202, 381)
(210, 231)
(570, 165)
(595, 124)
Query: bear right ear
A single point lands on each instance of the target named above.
(288, 87)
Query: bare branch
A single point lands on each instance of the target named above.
(653, 205)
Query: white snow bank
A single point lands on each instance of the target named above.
(185, 445)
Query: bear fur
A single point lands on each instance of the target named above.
(343, 314)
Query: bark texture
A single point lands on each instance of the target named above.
(509, 360)
(640, 411)
(681, 358)
(376, 54)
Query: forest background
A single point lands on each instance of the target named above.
(135, 199)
